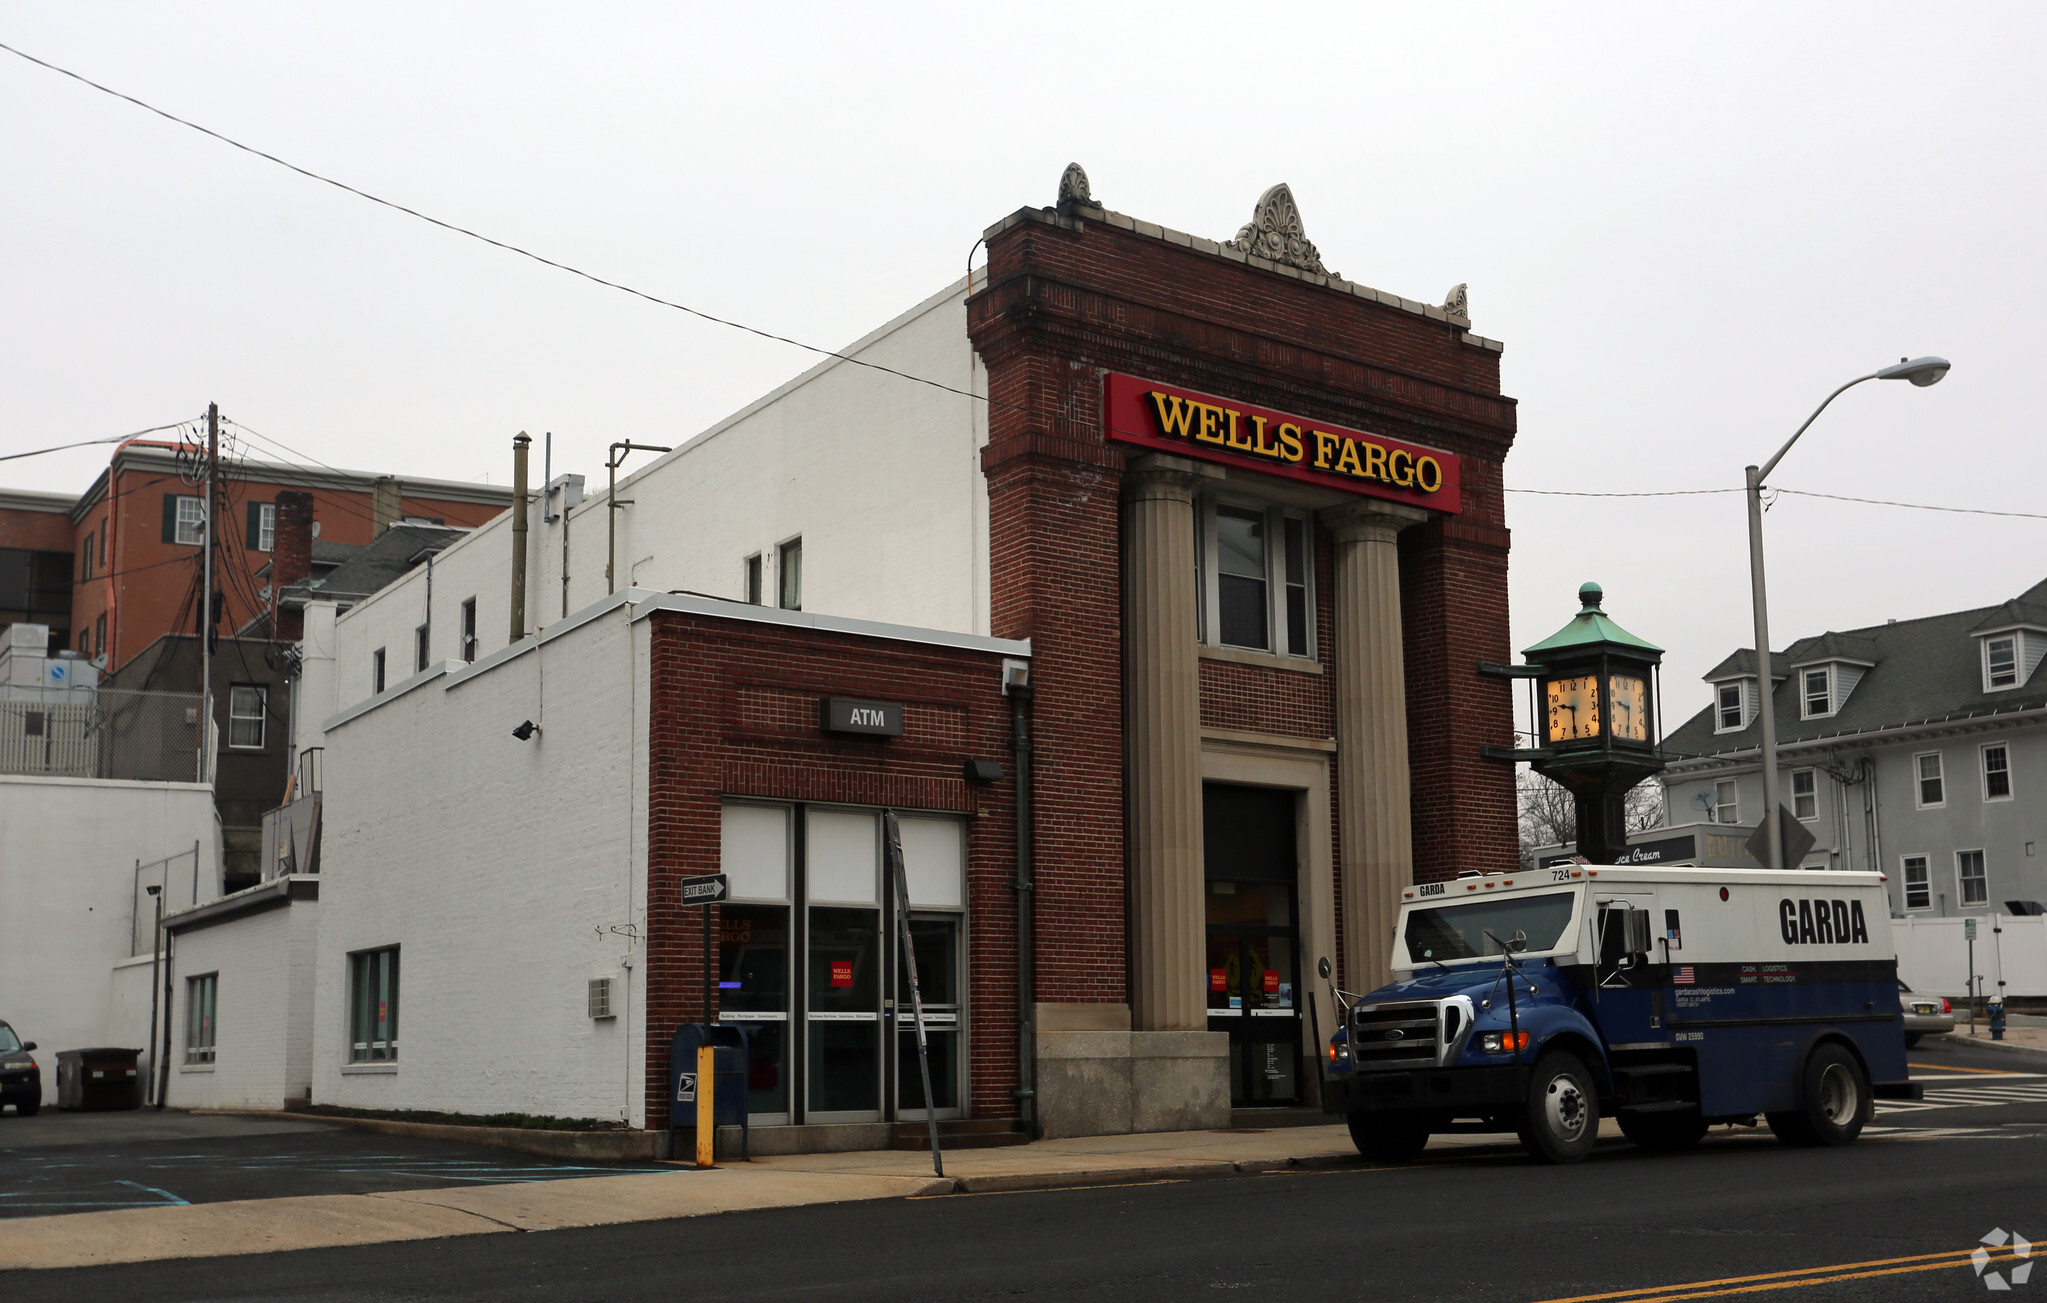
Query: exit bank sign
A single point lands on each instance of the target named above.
(855, 715)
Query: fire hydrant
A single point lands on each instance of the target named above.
(1996, 1017)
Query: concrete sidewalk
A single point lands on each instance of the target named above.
(327, 1221)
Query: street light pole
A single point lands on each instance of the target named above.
(1921, 371)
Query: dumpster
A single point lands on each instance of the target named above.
(98, 1079)
(729, 1103)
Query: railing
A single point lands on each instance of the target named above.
(145, 736)
(178, 879)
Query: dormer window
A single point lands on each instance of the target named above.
(1816, 693)
(1734, 705)
(2000, 662)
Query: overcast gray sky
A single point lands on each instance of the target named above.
(1687, 222)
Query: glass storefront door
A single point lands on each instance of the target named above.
(1253, 960)
(809, 962)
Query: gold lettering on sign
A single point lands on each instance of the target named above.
(1428, 474)
(1347, 461)
(1375, 462)
(1173, 414)
(1290, 442)
(1211, 429)
(1238, 439)
(1400, 468)
(1325, 444)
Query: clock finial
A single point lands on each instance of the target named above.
(1591, 594)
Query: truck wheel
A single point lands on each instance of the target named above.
(1912, 1039)
(1562, 1119)
(1388, 1137)
(1664, 1131)
(1834, 1096)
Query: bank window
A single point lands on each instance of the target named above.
(421, 644)
(377, 670)
(1256, 578)
(750, 580)
(1726, 801)
(85, 558)
(2000, 663)
(264, 533)
(1996, 772)
(373, 1006)
(1805, 796)
(469, 629)
(1969, 874)
(1918, 882)
(1817, 696)
(1932, 793)
(789, 576)
(246, 708)
(199, 1010)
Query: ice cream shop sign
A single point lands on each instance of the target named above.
(1165, 419)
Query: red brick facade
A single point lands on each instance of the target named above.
(733, 712)
(1069, 299)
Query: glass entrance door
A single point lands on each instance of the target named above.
(936, 940)
(1253, 961)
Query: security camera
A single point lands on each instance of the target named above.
(526, 731)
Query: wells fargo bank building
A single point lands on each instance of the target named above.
(1162, 644)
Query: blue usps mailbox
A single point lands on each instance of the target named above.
(728, 1099)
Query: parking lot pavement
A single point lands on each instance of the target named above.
(57, 1163)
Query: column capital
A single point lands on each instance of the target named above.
(1159, 475)
(1369, 520)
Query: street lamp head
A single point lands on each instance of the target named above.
(1921, 371)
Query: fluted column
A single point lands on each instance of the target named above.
(1377, 837)
(1162, 741)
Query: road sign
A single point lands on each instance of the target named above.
(1968, 929)
(705, 889)
(1795, 839)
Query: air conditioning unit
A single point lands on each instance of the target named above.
(600, 997)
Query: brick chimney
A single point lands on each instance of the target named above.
(291, 558)
(384, 509)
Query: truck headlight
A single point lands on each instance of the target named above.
(1503, 1042)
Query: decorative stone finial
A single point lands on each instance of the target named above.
(1073, 186)
(1457, 303)
(1274, 232)
(1592, 595)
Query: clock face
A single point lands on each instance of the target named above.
(1628, 702)
(1573, 708)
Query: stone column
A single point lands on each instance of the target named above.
(1377, 836)
(1162, 743)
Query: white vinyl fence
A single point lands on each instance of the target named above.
(2011, 954)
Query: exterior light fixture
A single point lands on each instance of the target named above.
(526, 731)
(1921, 371)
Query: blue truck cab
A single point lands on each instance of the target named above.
(1670, 999)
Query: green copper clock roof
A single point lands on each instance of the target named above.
(1589, 627)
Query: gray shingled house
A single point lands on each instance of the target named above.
(1917, 748)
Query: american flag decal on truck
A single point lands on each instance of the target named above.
(1683, 975)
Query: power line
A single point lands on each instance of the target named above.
(1916, 506)
(1667, 493)
(87, 443)
(311, 175)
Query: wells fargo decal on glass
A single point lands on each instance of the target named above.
(1151, 415)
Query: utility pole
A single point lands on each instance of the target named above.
(206, 604)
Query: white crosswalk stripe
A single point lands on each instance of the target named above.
(1975, 1094)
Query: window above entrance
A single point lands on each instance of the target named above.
(1256, 588)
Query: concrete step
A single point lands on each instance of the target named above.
(960, 1133)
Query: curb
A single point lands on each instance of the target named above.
(1093, 1176)
(1984, 1042)
(595, 1146)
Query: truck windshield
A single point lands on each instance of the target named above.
(1449, 932)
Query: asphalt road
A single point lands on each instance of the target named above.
(1890, 1218)
(86, 1162)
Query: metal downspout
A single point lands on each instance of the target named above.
(1026, 913)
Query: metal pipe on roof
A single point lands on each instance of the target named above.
(519, 496)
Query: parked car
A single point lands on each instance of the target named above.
(1925, 1015)
(21, 1081)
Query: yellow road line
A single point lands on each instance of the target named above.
(1793, 1279)
(1942, 1067)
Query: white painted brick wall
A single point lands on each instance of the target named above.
(263, 1009)
(880, 476)
(499, 868)
(68, 848)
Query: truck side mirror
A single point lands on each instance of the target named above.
(1322, 967)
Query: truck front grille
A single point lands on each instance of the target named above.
(1395, 1036)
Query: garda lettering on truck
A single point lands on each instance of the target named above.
(1180, 421)
(1822, 922)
